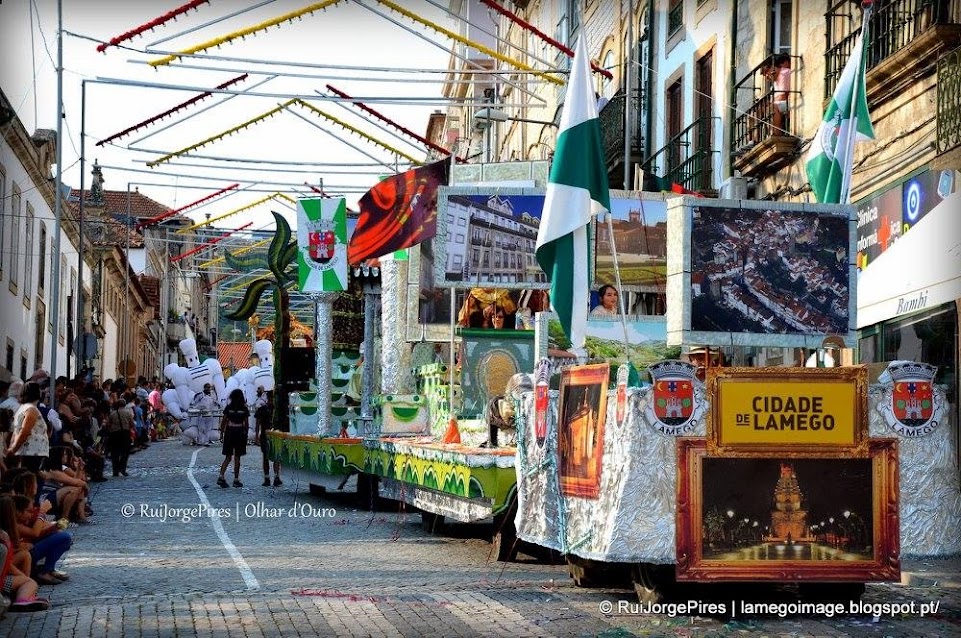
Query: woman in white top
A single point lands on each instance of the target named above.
(608, 306)
(29, 442)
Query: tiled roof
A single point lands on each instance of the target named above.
(115, 203)
(114, 215)
(234, 354)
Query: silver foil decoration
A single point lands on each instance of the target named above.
(394, 376)
(930, 496)
(323, 345)
(633, 520)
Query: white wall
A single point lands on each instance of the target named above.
(18, 313)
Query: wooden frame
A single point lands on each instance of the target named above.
(580, 428)
(852, 544)
(828, 415)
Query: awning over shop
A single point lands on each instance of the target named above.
(921, 270)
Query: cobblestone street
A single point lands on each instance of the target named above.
(283, 562)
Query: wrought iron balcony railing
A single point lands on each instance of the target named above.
(949, 102)
(687, 158)
(611, 120)
(894, 26)
(754, 107)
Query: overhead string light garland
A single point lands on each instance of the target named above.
(221, 135)
(387, 120)
(171, 111)
(467, 42)
(153, 24)
(160, 218)
(272, 112)
(242, 33)
(237, 210)
(208, 244)
(543, 36)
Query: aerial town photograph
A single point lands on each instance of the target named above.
(547, 318)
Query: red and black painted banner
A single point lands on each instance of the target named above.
(399, 212)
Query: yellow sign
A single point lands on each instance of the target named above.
(770, 410)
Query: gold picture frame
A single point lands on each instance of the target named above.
(729, 530)
(581, 417)
(788, 411)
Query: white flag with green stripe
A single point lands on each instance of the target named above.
(322, 244)
(576, 192)
(846, 120)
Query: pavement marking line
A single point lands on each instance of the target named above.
(249, 579)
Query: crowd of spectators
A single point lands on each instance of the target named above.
(48, 460)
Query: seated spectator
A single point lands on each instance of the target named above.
(14, 581)
(45, 541)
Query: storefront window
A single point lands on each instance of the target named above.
(929, 337)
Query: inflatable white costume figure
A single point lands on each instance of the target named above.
(188, 383)
(264, 372)
(208, 371)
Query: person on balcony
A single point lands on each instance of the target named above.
(779, 73)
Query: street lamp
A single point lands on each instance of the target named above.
(485, 118)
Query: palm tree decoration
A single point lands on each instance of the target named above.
(280, 259)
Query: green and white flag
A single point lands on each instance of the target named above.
(576, 191)
(846, 120)
(322, 244)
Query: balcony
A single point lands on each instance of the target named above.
(758, 145)
(949, 111)
(687, 158)
(611, 118)
(905, 38)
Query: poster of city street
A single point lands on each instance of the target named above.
(769, 272)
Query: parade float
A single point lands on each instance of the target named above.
(811, 476)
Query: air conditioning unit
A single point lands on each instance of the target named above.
(734, 188)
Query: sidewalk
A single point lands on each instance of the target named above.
(931, 572)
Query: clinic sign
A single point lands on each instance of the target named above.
(789, 410)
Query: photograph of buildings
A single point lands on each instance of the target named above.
(769, 272)
(793, 510)
(640, 238)
(490, 239)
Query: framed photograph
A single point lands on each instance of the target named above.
(788, 411)
(786, 518)
(760, 273)
(639, 221)
(486, 236)
(582, 412)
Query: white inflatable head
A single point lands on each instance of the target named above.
(189, 349)
(265, 350)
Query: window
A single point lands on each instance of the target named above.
(780, 34)
(16, 255)
(42, 265)
(23, 365)
(39, 336)
(28, 256)
(63, 293)
(703, 109)
(675, 17)
(675, 122)
(3, 217)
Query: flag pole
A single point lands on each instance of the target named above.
(848, 173)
